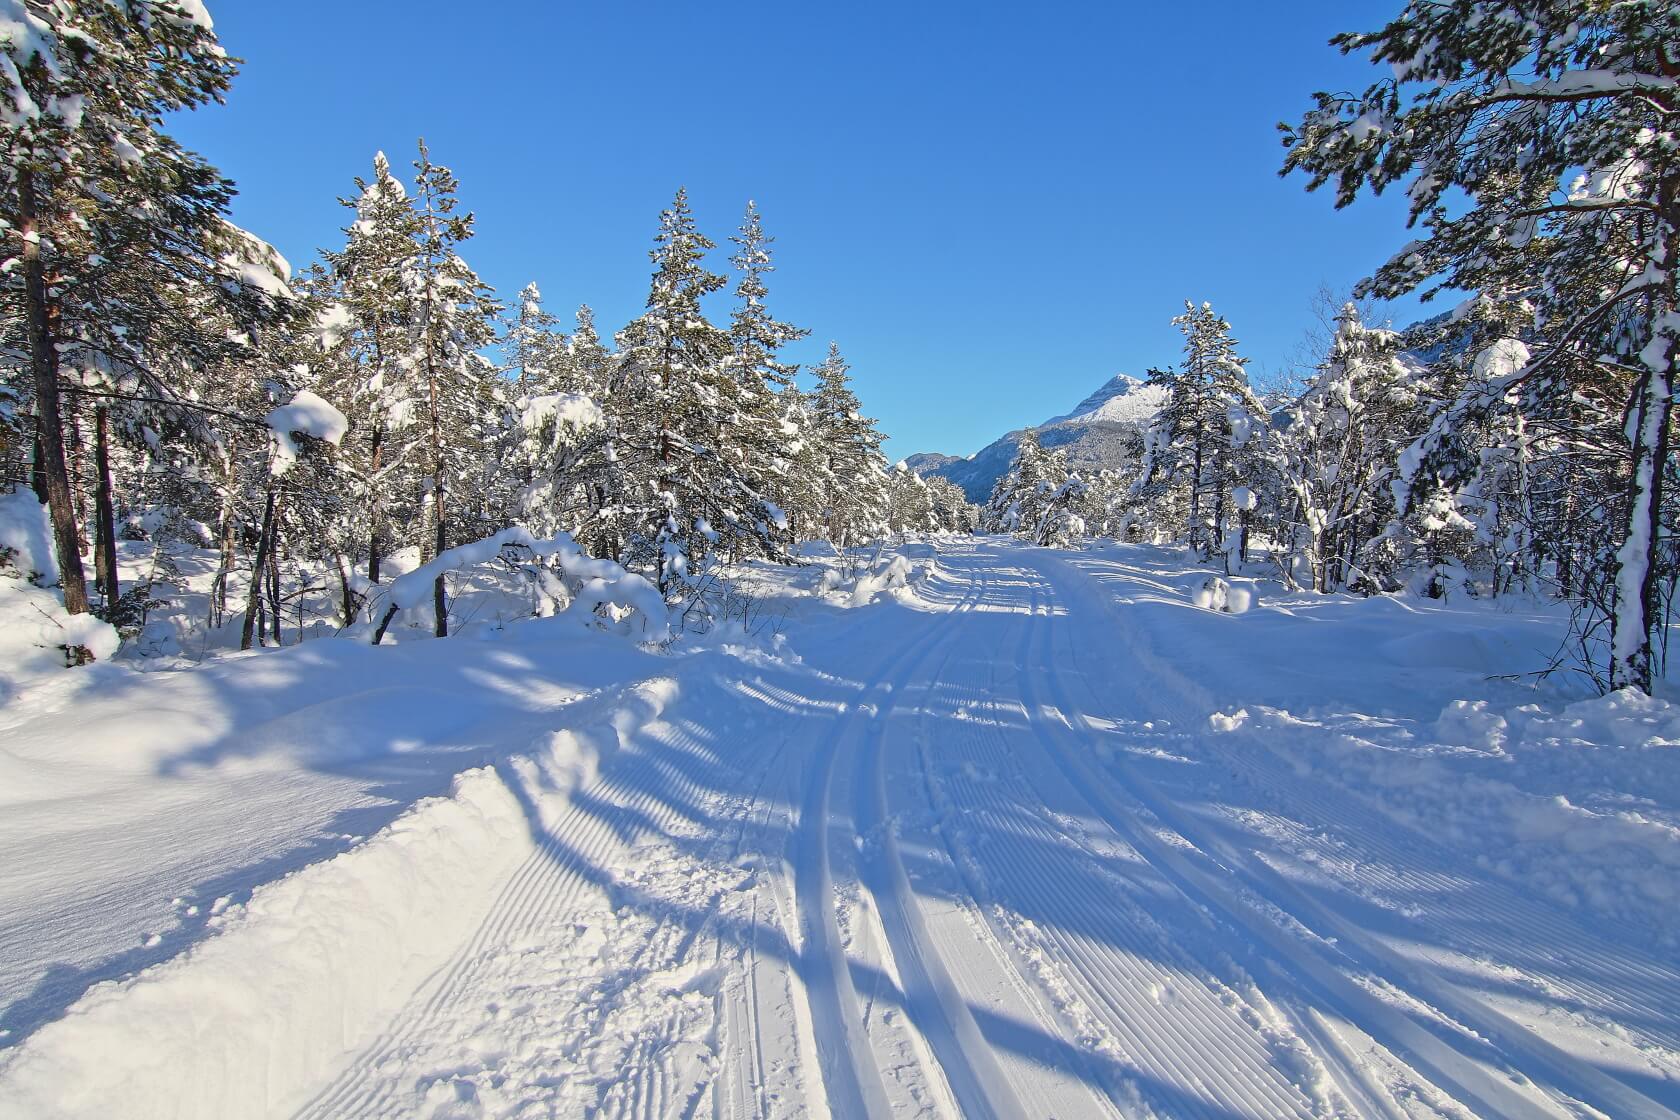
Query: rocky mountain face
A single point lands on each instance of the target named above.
(1103, 430)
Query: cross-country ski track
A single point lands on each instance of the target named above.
(976, 854)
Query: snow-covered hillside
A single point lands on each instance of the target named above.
(1097, 433)
(993, 831)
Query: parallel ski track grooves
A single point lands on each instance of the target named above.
(1116, 974)
(970, 1067)
(850, 1075)
(1078, 1063)
(536, 896)
(1569, 1077)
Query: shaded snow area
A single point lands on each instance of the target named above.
(973, 829)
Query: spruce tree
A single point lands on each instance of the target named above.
(848, 463)
(1193, 445)
(458, 388)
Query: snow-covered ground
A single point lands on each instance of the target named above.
(996, 831)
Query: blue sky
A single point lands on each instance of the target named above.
(992, 207)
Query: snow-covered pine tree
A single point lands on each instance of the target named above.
(689, 494)
(458, 388)
(533, 349)
(850, 469)
(1193, 447)
(1339, 454)
(1537, 139)
(110, 219)
(764, 432)
(952, 511)
(909, 505)
(371, 319)
(1038, 498)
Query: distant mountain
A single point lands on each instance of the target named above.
(1101, 431)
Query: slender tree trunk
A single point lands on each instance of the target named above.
(351, 604)
(37, 471)
(1196, 498)
(253, 597)
(1636, 608)
(49, 417)
(274, 580)
(373, 503)
(229, 537)
(440, 593)
(104, 512)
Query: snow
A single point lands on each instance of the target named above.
(575, 410)
(34, 627)
(308, 415)
(1015, 832)
(598, 583)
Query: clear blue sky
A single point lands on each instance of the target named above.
(992, 207)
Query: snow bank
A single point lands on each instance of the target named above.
(247, 1022)
(592, 583)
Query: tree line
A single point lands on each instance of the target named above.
(158, 362)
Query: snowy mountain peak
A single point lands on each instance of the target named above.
(1120, 387)
(1092, 436)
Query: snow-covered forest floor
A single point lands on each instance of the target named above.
(1010, 832)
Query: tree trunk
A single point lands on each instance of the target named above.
(373, 504)
(253, 597)
(1636, 605)
(274, 580)
(350, 600)
(439, 591)
(1196, 499)
(37, 472)
(49, 416)
(229, 540)
(104, 512)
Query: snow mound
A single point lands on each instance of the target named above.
(334, 969)
(36, 633)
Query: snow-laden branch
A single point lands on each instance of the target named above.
(306, 415)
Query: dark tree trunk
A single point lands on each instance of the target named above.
(37, 472)
(440, 593)
(104, 512)
(373, 505)
(253, 599)
(49, 416)
(274, 582)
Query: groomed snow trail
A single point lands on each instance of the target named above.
(980, 853)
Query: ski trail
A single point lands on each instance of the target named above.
(644, 796)
(848, 1062)
(1474, 1061)
(930, 997)
(1174, 1040)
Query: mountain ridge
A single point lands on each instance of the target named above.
(1100, 431)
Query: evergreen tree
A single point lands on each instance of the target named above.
(1194, 444)
(372, 319)
(691, 489)
(1537, 141)
(848, 464)
(1340, 451)
(114, 222)
(454, 320)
